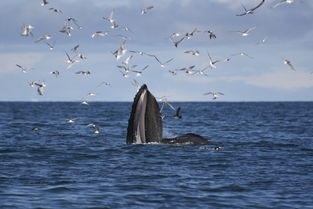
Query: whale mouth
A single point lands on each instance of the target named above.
(145, 123)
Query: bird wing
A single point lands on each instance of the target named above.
(260, 4)
(279, 3)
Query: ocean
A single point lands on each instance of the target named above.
(266, 160)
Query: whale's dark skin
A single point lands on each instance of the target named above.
(145, 123)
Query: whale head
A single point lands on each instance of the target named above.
(145, 122)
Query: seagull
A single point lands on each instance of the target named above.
(211, 34)
(262, 41)
(111, 20)
(70, 61)
(99, 33)
(40, 86)
(162, 64)
(90, 94)
(174, 35)
(250, 11)
(120, 52)
(56, 73)
(287, 62)
(27, 30)
(125, 74)
(51, 46)
(24, 69)
(83, 72)
(246, 32)
(42, 38)
(137, 52)
(145, 10)
(187, 36)
(188, 70)
(58, 11)
(67, 29)
(192, 52)
(126, 61)
(136, 84)
(72, 19)
(139, 73)
(212, 63)
(44, 2)
(84, 102)
(96, 128)
(103, 83)
(71, 120)
(283, 2)
(75, 49)
(242, 54)
(178, 114)
(215, 95)
(165, 102)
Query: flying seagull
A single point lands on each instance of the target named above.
(177, 114)
(283, 2)
(56, 10)
(212, 63)
(215, 95)
(250, 11)
(287, 62)
(27, 30)
(24, 69)
(44, 2)
(145, 10)
(246, 32)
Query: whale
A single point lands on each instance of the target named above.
(145, 123)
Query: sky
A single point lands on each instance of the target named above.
(263, 76)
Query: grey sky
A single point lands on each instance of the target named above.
(288, 29)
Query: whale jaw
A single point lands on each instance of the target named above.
(145, 122)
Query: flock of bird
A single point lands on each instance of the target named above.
(126, 68)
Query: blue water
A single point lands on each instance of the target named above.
(266, 160)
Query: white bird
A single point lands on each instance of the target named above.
(44, 3)
(67, 29)
(84, 102)
(104, 83)
(192, 52)
(56, 73)
(56, 10)
(99, 33)
(145, 10)
(215, 95)
(96, 128)
(83, 73)
(71, 120)
(162, 64)
(27, 30)
(42, 38)
(250, 11)
(24, 69)
(283, 2)
(40, 86)
(242, 54)
(51, 46)
(287, 62)
(120, 52)
(111, 20)
(70, 61)
(212, 63)
(139, 72)
(246, 32)
(126, 61)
